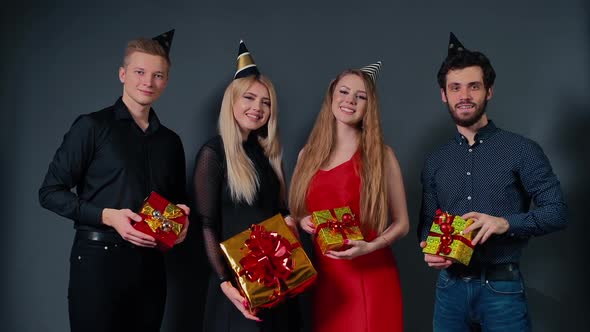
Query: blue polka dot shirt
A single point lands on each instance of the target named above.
(501, 174)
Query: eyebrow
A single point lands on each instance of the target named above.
(156, 72)
(468, 83)
(252, 93)
(344, 86)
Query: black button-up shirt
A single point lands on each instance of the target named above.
(112, 163)
(500, 174)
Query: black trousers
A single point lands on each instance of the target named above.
(115, 286)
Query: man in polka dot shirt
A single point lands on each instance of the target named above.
(489, 175)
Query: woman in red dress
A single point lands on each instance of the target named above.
(346, 163)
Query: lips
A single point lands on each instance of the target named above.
(147, 93)
(254, 116)
(465, 106)
(347, 110)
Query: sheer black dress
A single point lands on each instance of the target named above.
(221, 219)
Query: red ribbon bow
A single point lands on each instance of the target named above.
(348, 221)
(268, 260)
(445, 222)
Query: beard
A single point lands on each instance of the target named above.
(471, 120)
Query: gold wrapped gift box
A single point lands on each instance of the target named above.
(269, 263)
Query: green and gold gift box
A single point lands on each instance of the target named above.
(334, 226)
(446, 238)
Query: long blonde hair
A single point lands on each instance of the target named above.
(242, 178)
(319, 146)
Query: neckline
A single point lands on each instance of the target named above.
(341, 164)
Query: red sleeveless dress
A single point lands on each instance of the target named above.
(362, 294)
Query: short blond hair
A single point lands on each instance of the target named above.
(144, 45)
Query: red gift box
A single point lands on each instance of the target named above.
(161, 219)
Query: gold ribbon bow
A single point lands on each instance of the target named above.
(158, 220)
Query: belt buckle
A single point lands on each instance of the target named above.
(469, 275)
(467, 278)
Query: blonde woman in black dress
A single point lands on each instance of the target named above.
(238, 182)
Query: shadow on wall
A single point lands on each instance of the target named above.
(568, 310)
(417, 279)
(187, 264)
(294, 135)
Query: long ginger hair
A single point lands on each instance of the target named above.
(318, 148)
(242, 178)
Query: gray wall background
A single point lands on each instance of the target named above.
(61, 59)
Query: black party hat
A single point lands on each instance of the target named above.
(455, 45)
(245, 63)
(165, 40)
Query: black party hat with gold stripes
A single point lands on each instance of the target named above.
(165, 40)
(245, 63)
(372, 70)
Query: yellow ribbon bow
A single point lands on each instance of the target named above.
(158, 220)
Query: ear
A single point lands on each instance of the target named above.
(490, 93)
(443, 96)
(122, 73)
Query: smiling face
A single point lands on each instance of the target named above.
(144, 78)
(349, 100)
(252, 109)
(466, 95)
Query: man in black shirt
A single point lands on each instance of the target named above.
(114, 158)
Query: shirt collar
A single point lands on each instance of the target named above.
(483, 133)
(122, 113)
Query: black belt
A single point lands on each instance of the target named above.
(493, 272)
(106, 237)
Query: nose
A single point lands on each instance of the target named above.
(257, 105)
(465, 94)
(350, 98)
(147, 80)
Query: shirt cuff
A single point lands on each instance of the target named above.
(225, 278)
(515, 223)
(285, 212)
(90, 214)
(424, 231)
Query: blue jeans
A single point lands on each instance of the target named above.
(476, 304)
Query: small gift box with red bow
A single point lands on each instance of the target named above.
(446, 238)
(334, 226)
(162, 220)
(269, 263)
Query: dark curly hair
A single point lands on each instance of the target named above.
(464, 59)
